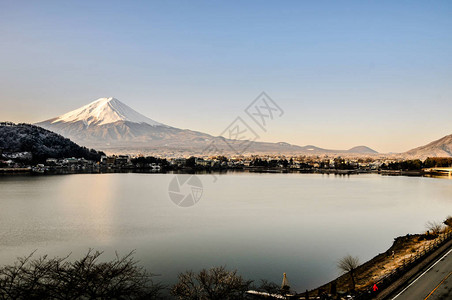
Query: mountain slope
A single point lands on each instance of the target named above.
(438, 148)
(110, 125)
(107, 123)
(41, 143)
(362, 150)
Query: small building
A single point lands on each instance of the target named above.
(111, 160)
(70, 161)
(203, 162)
(51, 162)
(122, 160)
(179, 162)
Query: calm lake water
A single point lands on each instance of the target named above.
(261, 224)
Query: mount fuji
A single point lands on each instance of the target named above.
(109, 125)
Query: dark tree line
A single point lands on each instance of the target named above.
(341, 164)
(438, 162)
(274, 163)
(417, 164)
(143, 162)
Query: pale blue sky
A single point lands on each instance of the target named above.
(346, 73)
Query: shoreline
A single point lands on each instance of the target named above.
(65, 171)
(405, 253)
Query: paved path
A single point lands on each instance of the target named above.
(433, 284)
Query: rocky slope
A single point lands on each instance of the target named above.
(438, 148)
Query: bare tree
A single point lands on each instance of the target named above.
(213, 284)
(348, 264)
(269, 287)
(86, 278)
(434, 227)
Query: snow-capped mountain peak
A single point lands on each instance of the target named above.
(110, 125)
(105, 111)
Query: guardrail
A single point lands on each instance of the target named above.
(407, 264)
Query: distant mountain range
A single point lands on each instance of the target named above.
(110, 125)
(438, 148)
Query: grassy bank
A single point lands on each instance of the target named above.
(404, 249)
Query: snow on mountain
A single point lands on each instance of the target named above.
(110, 125)
(105, 111)
(107, 123)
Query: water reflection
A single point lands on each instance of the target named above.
(262, 224)
(87, 206)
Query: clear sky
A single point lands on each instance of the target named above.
(346, 73)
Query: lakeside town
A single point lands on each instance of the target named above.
(22, 162)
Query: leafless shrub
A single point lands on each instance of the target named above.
(86, 278)
(215, 283)
(434, 227)
(348, 264)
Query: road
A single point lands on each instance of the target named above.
(433, 284)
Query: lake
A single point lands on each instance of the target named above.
(261, 224)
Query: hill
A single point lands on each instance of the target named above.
(41, 143)
(362, 150)
(438, 148)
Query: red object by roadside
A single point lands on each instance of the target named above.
(375, 287)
